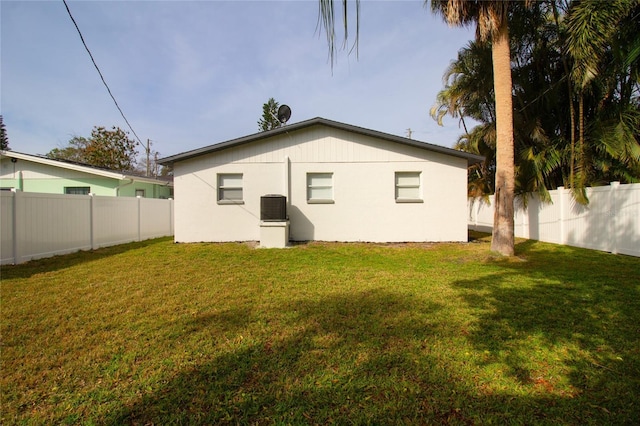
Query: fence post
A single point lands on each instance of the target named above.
(171, 221)
(92, 234)
(563, 216)
(17, 212)
(525, 218)
(613, 216)
(139, 217)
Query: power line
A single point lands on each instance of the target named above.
(100, 73)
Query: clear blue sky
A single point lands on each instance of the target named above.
(193, 73)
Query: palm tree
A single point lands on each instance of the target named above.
(481, 176)
(604, 44)
(469, 92)
(546, 96)
(490, 16)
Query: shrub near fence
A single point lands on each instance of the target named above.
(610, 222)
(35, 225)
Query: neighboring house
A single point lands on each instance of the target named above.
(32, 173)
(341, 182)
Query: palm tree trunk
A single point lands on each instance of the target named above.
(572, 159)
(572, 109)
(581, 178)
(503, 226)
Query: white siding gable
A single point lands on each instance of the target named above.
(324, 145)
(364, 206)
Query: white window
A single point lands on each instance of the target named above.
(408, 187)
(230, 188)
(320, 188)
(140, 193)
(77, 190)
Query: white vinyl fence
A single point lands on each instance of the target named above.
(610, 222)
(35, 225)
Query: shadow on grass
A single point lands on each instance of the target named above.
(55, 263)
(379, 357)
(579, 319)
(340, 358)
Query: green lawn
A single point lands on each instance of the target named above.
(162, 333)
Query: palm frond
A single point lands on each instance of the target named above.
(327, 21)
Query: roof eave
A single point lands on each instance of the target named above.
(471, 158)
(227, 144)
(80, 168)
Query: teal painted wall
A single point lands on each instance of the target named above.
(150, 190)
(34, 177)
(98, 186)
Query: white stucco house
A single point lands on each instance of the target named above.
(341, 183)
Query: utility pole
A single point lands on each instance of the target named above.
(148, 153)
(409, 132)
(155, 165)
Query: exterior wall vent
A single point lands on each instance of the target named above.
(273, 208)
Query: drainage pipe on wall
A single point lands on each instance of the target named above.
(287, 180)
(123, 185)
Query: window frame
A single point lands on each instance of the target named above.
(86, 190)
(418, 187)
(140, 190)
(221, 188)
(310, 187)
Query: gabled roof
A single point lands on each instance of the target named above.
(318, 121)
(79, 167)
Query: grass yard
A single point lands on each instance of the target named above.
(162, 333)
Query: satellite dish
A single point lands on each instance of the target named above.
(284, 114)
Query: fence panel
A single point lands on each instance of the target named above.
(588, 226)
(6, 225)
(481, 215)
(610, 222)
(115, 219)
(152, 224)
(544, 223)
(49, 224)
(35, 225)
(627, 213)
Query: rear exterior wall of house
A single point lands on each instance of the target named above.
(340, 186)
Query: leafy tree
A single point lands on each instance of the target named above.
(555, 144)
(165, 171)
(110, 149)
(4, 139)
(603, 40)
(74, 151)
(269, 120)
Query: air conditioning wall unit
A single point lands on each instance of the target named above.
(273, 208)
